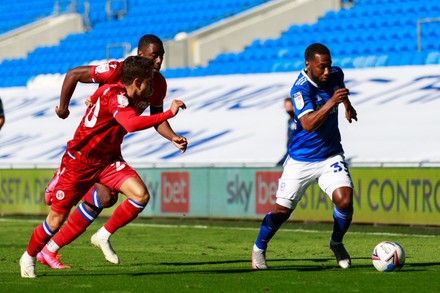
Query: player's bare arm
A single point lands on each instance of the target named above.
(350, 112)
(167, 132)
(73, 76)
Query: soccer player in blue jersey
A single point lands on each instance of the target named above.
(315, 153)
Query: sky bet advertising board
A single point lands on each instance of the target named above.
(381, 195)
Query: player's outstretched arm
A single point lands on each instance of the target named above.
(167, 132)
(132, 122)
(73, 76)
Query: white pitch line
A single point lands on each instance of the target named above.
(285, 230)
(246, 229)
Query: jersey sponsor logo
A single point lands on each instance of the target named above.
(266, 185)
(102, 68)
(175, 192)
(298, 99)
(59, 195)
(282, 186)
(122, 100)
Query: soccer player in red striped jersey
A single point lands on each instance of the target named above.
(94, 155)
(100, 196)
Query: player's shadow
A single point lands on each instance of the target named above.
(318, 264)
(419, 267)
(321, 264)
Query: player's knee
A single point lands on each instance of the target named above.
(135, 189)
(343, 199)
(143, 196)
(281, 214)
(108, 199)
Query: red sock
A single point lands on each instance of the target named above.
(77, 223)
(126, 212)
(40, 236)
(91, 197)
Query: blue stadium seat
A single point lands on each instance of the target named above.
(372, 33)
(433, 58)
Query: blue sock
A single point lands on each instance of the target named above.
(342, 221)
(267, 229)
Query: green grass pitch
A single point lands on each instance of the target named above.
(214, 256)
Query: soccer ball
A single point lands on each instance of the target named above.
(388, 256)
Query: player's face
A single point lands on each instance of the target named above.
(318, 69)
(155, 53)
(289, 108)
(144, 88)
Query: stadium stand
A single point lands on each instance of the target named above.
(163, 17)
(20, 13)
(368, 33)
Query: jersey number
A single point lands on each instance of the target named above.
(92, 115)
(338, 168)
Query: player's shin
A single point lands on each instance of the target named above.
(77, 223)
(126, 212)
(268, 228)
(342, 221)
(40, 236)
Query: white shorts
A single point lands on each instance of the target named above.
(330, 174)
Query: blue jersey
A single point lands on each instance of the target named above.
(307, 96)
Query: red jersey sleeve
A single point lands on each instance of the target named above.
(125, 115)
(106, 73)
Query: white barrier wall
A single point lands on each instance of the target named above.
(239, 119)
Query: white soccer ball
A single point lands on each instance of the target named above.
(388, 256)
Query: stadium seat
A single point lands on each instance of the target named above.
(433, 58)
(369, 34)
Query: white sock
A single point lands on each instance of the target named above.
(256, 248)
(28, 256)
(52, 246)
(103, 233)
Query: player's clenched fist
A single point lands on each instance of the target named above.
(176, 105)
(340, 95)
(63, 114)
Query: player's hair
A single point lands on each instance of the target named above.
(136, 67)
(146, 40)
(316, 48)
